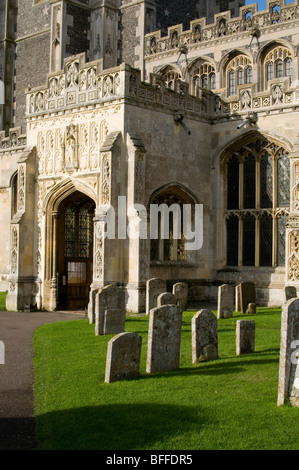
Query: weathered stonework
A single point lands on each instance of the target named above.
(164, 339)
(164, 127)
(123, 357)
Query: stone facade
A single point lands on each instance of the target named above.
(127, 116)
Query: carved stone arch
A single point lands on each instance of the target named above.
(170, 69)
(176, 188)
(222, 65)
(219, 157)
(261, 56)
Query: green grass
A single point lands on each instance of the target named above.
(230, 403)
(3, 301)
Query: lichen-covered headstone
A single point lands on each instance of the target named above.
(288, 386)
(154, 287)
(245, 337)
(226, 298)
(167, 298)
(114, 321)
(164, 339)
(247, 295)
(180, 291)
(123, 357)
(110, 298)
(204, 336)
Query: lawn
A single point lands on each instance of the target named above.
(3, 301)
(230, 403)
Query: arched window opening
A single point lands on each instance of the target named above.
(258, 204)
(170, 78)
(278, 63)
(170, 245)
(203, 76)
(239, 71)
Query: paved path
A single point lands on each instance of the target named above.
(17, 424)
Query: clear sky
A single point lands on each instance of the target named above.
(262, 3)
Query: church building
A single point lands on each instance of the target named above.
(112, 107)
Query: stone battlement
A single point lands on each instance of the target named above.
(250, 22)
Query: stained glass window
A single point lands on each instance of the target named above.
(272, 164)
(70, 233)
(240, 77)
(78, 231)
(266, 182)
(283, 176)
(232, 83)
(270, 71)
(249, 75)
(233, 183)
(249, 241)
(266, 237)
(249, 182)
(279, 69)
(232, 233)
(281, 242)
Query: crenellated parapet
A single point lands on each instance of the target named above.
(251, 23)
(85, 84)
(15, 139)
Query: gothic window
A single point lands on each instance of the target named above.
(278, 63)
(239, 72)
(203, 76)
(258, 201)
(170, 78)
(169, 246)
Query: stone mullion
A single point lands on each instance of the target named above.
(240, 254)
(257, 240)
(275, 242)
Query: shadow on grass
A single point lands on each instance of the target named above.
(116, 426)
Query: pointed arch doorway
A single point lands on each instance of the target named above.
(74, 255)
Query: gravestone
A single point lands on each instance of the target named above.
(180, 291)
(245, 337)
(114, 321)
(288, 385)
(123, 357)
(251, 308)
(290, 293)
(167, 298)
(164, 339)
(204, 337)
(226, 298)
(154, 287)
(247, 295)
(110, 300)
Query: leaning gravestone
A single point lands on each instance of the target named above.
(290, 293)
(167, 298)
(164, 339)
(204, 337)
(226, 298)
(288, 386)
(154, 287)
(180, 291)
(110, 310)
(123, 357)
(247, 295)
(245, 337)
